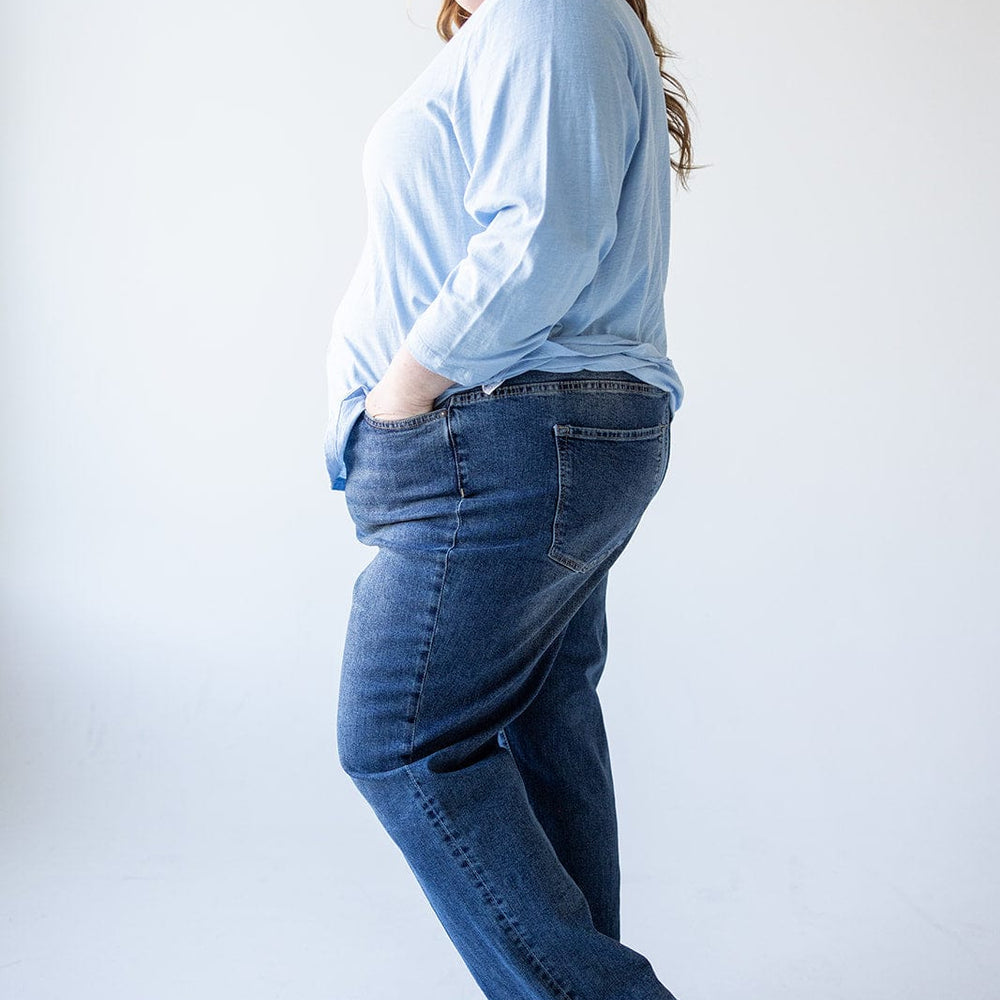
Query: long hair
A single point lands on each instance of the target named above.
(451, 17)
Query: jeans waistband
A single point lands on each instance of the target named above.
(539, 381)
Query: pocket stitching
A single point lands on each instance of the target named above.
(403, 423)
(609, 433)
(578, 432)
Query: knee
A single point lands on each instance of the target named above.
(363, 751)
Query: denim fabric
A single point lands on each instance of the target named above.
(468, 714)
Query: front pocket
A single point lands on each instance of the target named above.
(403, 423)
(607, 477)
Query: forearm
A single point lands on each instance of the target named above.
(410, 381)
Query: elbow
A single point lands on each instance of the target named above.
(572, 249)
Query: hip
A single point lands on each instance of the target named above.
(551, 468)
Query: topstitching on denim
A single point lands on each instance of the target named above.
(444, 576)
(439, 821)
(554, 387)
(415, 420)
(474, 868)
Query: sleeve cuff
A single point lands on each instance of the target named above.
(440, 363)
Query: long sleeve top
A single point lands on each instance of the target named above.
(518, 197)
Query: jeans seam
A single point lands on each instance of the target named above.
(440, 597)
(562, 472)
(437, 818)
(555, 386)
(439, 821)
(430, 643)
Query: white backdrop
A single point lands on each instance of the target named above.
(802, 687)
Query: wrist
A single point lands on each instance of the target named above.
(412, 381)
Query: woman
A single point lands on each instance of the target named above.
(501, 403)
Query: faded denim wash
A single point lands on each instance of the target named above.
(468, 713)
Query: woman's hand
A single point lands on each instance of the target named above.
(406, 389)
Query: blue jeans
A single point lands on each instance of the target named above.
(468, 714)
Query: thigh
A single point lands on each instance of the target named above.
(493, 518)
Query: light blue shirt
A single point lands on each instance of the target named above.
(518, 197)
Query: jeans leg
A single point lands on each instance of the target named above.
(561, 749)
(457, 806)
(455, 628)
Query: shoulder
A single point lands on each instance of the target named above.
(524, 26)
(532, 10)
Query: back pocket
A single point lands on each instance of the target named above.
(607, 477)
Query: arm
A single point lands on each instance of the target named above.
(406, 389)
(546, 120)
